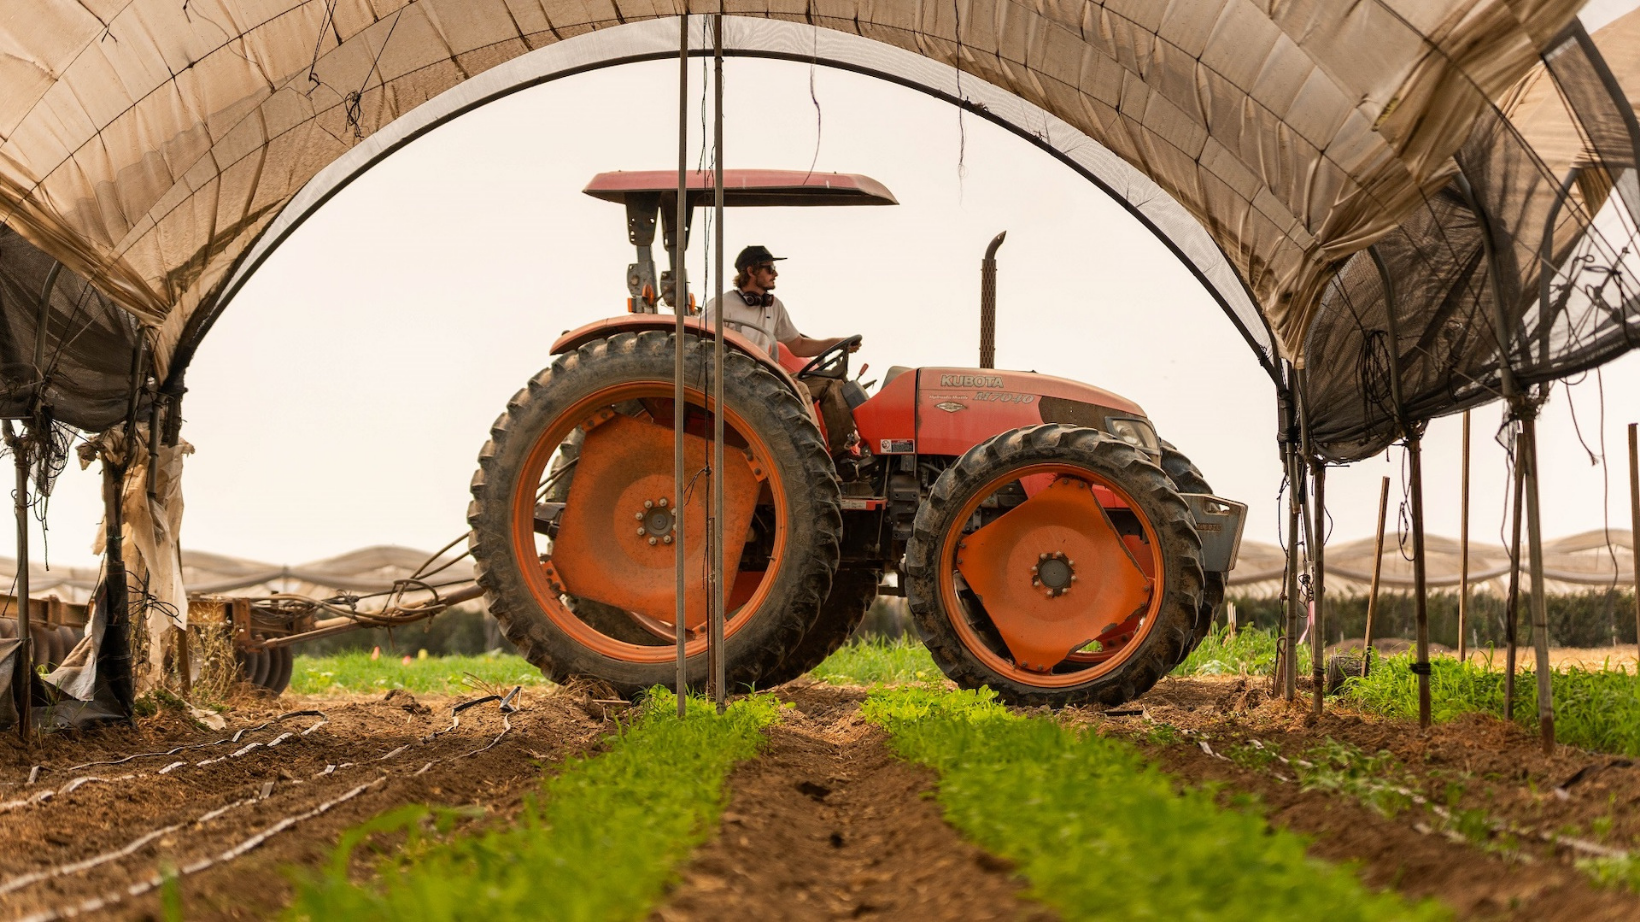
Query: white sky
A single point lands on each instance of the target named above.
(342, 399)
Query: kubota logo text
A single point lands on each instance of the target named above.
(971, 381)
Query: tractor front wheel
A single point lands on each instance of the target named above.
(1188, 479)
(579, 570)
(1057, 566)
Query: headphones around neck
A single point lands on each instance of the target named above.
(756, 300)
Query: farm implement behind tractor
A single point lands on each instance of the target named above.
(1050, 545)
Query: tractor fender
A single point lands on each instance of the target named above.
(641, 322)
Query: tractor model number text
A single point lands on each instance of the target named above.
(1006, 397)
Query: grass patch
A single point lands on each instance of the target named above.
(1102, 834)
(865, 662)
(1249, 651)
(1597, 710)
(599, 843)
(354, 672)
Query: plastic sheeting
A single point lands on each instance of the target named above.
(148, 143)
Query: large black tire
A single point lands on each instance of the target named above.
(852, 592)
(284, 661)
(1180, 577)
(1189, 480)
(813, 519)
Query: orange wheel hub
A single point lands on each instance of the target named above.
(1053, 574)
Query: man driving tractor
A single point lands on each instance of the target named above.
(754, 311)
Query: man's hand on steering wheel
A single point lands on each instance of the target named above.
(832, 362)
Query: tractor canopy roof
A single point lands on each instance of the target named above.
(745, 188)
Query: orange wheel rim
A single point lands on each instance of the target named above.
(1036, 556)
(546, 586)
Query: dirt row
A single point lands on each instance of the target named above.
(278, 796)
(826, 824)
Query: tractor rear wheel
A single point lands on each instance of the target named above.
(580, 572)
(1189, 480)
(852, 592)
(1056, 565)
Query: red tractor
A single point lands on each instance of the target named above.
(1050, 546)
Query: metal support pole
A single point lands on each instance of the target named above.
(716, 547)
(114, 652)
(1377, 573)
(1540, 611)
(1318, 558)
(1419, 578)
(988, 304)
(1463, 549)
(1634, 532)
(23, 673)
(1511, 622)
(680, 305)
(1295, 487)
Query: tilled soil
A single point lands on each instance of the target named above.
(1476, 765)
(276, 797)
(827, 825)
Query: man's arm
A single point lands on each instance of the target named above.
(808, 346)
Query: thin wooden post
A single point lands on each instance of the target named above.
(1540, 611)
(1377, 572)
(1463, 550)
(23, 672)
(1419, 578)
(1511, 621)
(680, 305)
(1634, 533)
(1318, 550)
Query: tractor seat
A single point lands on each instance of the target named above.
(893, 373)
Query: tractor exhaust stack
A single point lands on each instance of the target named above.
(988, 305)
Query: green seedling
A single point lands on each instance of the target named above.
(1102, 834)
(866, 662)
(599, 842)
(357, 672)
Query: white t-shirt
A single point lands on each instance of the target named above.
(762, 326)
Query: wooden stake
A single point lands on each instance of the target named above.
(23, 670)
(680, 305)
(1377, 572)
(1295, 485)
(1463, 550)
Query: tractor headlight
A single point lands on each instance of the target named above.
(1135, 432)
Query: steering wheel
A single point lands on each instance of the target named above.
(834, 355)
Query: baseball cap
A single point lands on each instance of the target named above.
(754, 255)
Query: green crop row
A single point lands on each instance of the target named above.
(1101, 834)
(600, 842)
(1249, 651)
(355, 672)
(875, 659)
(1598, 710)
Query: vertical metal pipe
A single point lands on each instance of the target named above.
(1634, 532)
(1377, 573)
(988, 304)
(716, 547)
(23, 673)
(1318, 556)
(1419, 577)
(1511, 621)
(1463, 549)
(114, 653)
(1295, 485)
(680, 305)
(1540, 611)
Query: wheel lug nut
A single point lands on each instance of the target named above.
(667, 539)
(640, 530)
(651, 540)
(1042, 557)
(662, 502)
(647, 504)
(637, 516)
